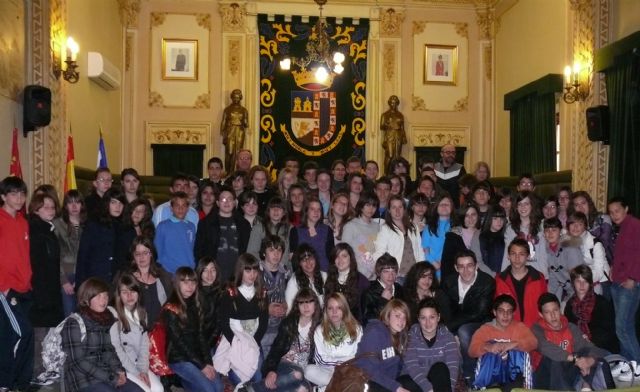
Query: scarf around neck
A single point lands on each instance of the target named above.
(584, 310)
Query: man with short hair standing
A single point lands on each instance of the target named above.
(449, 171)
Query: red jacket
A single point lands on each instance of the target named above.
(15, 267)
(533, 288)
(626, 250)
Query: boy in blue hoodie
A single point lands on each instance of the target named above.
(175, 236)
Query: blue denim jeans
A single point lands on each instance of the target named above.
(129, 386)
(69, 301)
(465, 332)
(287, 380)
(193, 380)
(625, 303)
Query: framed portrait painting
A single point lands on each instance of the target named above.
(179, 59)
(440, 64)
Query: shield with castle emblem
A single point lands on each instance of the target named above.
(313, 116)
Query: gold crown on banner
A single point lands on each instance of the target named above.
(306, 79)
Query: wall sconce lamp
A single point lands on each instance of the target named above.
(69, 73)
(576, 87)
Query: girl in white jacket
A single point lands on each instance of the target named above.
(399, 237)
(129, 335)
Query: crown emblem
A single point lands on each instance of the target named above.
(306, 79)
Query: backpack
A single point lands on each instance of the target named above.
(52, 355)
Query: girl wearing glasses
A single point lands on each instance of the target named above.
(155, 282)
(293, 347)
(187, 352)
(243, 319)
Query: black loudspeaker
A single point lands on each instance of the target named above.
(37, 108)
(598, 124)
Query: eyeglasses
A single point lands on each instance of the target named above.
(226, 199)
(305, 301)
(251, 268)
(453, 152)
(143, 253)
(105, 180)
(427, 275)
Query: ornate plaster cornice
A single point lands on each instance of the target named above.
(418, 27)
(234, 17)
(488, 22)
(129, 10)
(157, 18)
(391, 23)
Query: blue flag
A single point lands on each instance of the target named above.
(102, 154)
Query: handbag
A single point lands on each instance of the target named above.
(347, 377)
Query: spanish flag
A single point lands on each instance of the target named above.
(14, 167)
(70, 174)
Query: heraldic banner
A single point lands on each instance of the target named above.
(300, 116)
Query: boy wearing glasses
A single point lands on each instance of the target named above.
(175, 236)
(502, 338)
(223, 235)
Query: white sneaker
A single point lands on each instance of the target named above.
(620, 368)
(633, 373)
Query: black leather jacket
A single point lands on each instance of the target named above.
(287, 335)
(186, 342)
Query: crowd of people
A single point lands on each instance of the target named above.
(438, 284)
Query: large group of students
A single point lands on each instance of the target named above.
(439, 284)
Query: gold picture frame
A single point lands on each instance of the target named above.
(440, 64)
(179, 59)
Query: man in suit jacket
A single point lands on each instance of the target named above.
(470, 292)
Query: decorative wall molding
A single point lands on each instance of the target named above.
(203, 101)
(417, 104)
(437, 135)
(158, 18)
(487, 60)
(418, 27)
(389, 61)
(128, 47)
(40, 74)
(461, 105)
(233, 17)
(391, 23)
(129, 11)
(204, 21)
(234, 56)
(462, 29)
(176, 132)
(488, 22)
(156, 100)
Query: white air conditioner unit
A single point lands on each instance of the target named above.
(101, 71)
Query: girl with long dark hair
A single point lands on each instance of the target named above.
(129, 334)
(314, 232)
(306, 273)
(187, 351)
(243, 319)
(343, 277)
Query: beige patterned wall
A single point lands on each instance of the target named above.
(590, 31)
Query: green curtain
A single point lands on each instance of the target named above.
(623, 95)
(169, 159)
(533, 141)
